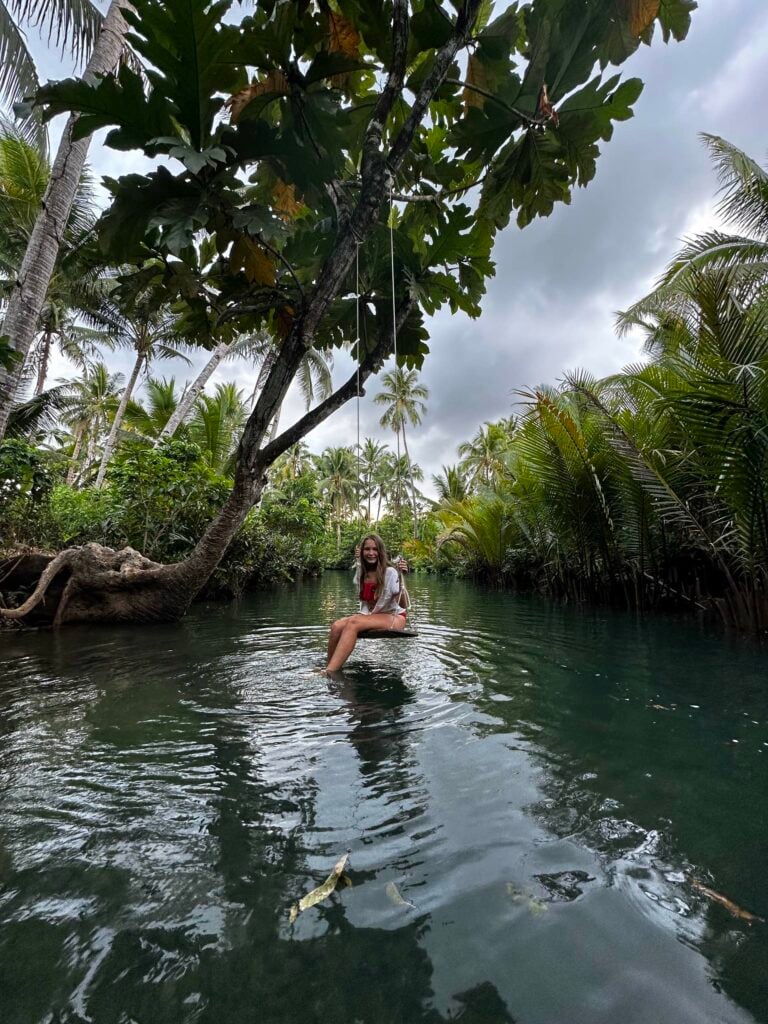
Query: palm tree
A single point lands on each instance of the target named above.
(483, 457)
(451, 484)
(371, 456)
(75, 25)
(150, 418)
(483, 525)
(76, 292)
(313, 375)
(216, 424)
(90, 403)
(338, 483)
(149, 330)
(292, 464)
(245, 346)
(740, 257)
(404, 399)
(34, 275)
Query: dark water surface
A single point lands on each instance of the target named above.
(539, 784)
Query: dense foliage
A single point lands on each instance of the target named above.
(650, 486)
(327, 174)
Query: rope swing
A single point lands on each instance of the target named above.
(381, 634)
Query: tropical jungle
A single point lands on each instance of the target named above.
(248, 255)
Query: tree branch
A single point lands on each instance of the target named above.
(400, 196)
(532, 122)
(285, 263)
(393, 87)
(443, 60)
(348, 390)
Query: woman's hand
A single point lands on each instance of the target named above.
(402, 566)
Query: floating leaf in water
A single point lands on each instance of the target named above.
(396, 896)
(729, 905)
(322, 892)
(527, 898)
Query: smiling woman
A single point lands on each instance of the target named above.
(383, 603)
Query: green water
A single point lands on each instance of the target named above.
(540, 783)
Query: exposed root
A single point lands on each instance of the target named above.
(92, 568)
(63, 559)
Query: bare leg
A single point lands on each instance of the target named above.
(335, 635)
(355, 624)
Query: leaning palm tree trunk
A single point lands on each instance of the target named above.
(42, 370)
(109, 447)
(72, 471)
(184, 407)
(26, 302)
(413, 486)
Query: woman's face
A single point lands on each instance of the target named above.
(370, 552)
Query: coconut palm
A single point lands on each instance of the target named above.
(482, 458)
(150, 416)
(90, 404)
(292, 464)
(338, 483)
(404, 399)
(738, 258)
(249, 346)
(74, 24)
(150, 330)
(216, 424)
(371, 455)
(34, 274)
(313, 376)
(71, 318)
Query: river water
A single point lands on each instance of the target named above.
(528, 794)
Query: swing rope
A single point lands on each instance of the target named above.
(381, 634)
(359, 357)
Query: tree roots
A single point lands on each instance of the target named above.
(106, 585)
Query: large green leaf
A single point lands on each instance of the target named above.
(190, 52)
(114, 100)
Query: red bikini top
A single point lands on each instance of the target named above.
(368, 592)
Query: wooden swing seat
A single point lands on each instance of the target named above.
(387, 634)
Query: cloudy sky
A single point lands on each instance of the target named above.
(560, 281)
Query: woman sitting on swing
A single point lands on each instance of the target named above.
(383, 602)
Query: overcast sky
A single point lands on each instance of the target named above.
(560, 281)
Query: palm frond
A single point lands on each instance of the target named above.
(38, 413)
(18, 74)
(743, 185)
(72, 25)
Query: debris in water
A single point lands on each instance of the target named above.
(396, 896)
(337, 877)
(729, 905)
(527, 898)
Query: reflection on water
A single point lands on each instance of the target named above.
(527, 792)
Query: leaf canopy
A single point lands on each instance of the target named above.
(270, 129)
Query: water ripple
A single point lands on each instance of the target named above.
(521, 788)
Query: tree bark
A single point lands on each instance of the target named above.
(72, 471)
(413, 488)
(109, 447)
(34, 276)
(190, 396)
(42, 370)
